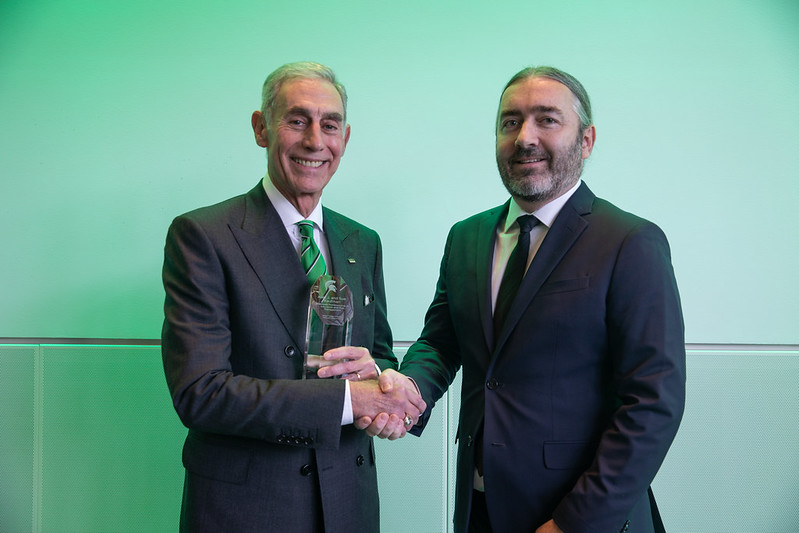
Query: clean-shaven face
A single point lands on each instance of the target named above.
(305, 138)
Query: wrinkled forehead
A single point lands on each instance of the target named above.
(309, 95)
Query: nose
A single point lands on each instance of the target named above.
(528, 135)
(313, 137)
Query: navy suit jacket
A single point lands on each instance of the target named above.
(581, 394)
(266, 450)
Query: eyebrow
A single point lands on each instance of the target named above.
(299, 110)
(535, 109)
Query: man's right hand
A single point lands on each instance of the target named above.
(404, 402)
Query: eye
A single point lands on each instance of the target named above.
(295, 122)
(548, 121)
(509, 124)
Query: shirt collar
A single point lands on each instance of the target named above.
(546, 214)
(286, 211)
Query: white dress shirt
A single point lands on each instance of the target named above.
(508, 235)
(290, 216)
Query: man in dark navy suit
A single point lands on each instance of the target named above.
(563, 313)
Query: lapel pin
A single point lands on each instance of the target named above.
(351, 260)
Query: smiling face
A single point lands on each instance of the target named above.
(305, 139)
(540, 143)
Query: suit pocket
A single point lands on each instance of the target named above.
(573, 455)
(216, 457)
(565, 285)
(368, 299)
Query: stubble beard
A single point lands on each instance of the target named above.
(543, 186)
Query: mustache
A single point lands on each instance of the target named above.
(529, 153)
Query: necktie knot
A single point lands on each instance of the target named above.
(306, 229)
(526, 223)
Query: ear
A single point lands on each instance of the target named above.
(589, 137)
(259, 129)
(346, 139)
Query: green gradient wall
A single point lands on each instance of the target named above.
(117, 116)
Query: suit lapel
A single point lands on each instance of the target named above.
(264, 241)
(566, 229)
(343, 244)
(484, 257)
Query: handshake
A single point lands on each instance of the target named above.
(386, 407)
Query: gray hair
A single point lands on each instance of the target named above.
(582, 105)
(290, 71)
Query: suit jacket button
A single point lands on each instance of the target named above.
(492, 384)
(359, 460)
(281, 439)
(308, 441)
(289, 351)
(306, 470)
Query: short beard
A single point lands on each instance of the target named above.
(563, 174)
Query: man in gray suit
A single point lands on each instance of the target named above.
(267, 450)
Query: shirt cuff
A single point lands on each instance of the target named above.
(346, 416)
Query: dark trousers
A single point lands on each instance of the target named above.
(478, 515)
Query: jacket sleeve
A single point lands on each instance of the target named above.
(434, 359)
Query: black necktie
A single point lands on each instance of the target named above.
(514, 272)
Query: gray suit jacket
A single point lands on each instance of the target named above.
(265, 450)
(581, 393)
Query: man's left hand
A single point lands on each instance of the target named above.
(350, 362)
(549, 527)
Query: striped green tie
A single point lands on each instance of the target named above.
(310, 257)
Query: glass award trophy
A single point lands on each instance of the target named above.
(329, 326)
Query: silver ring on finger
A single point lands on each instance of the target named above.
(359, 375)
(408, 421)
